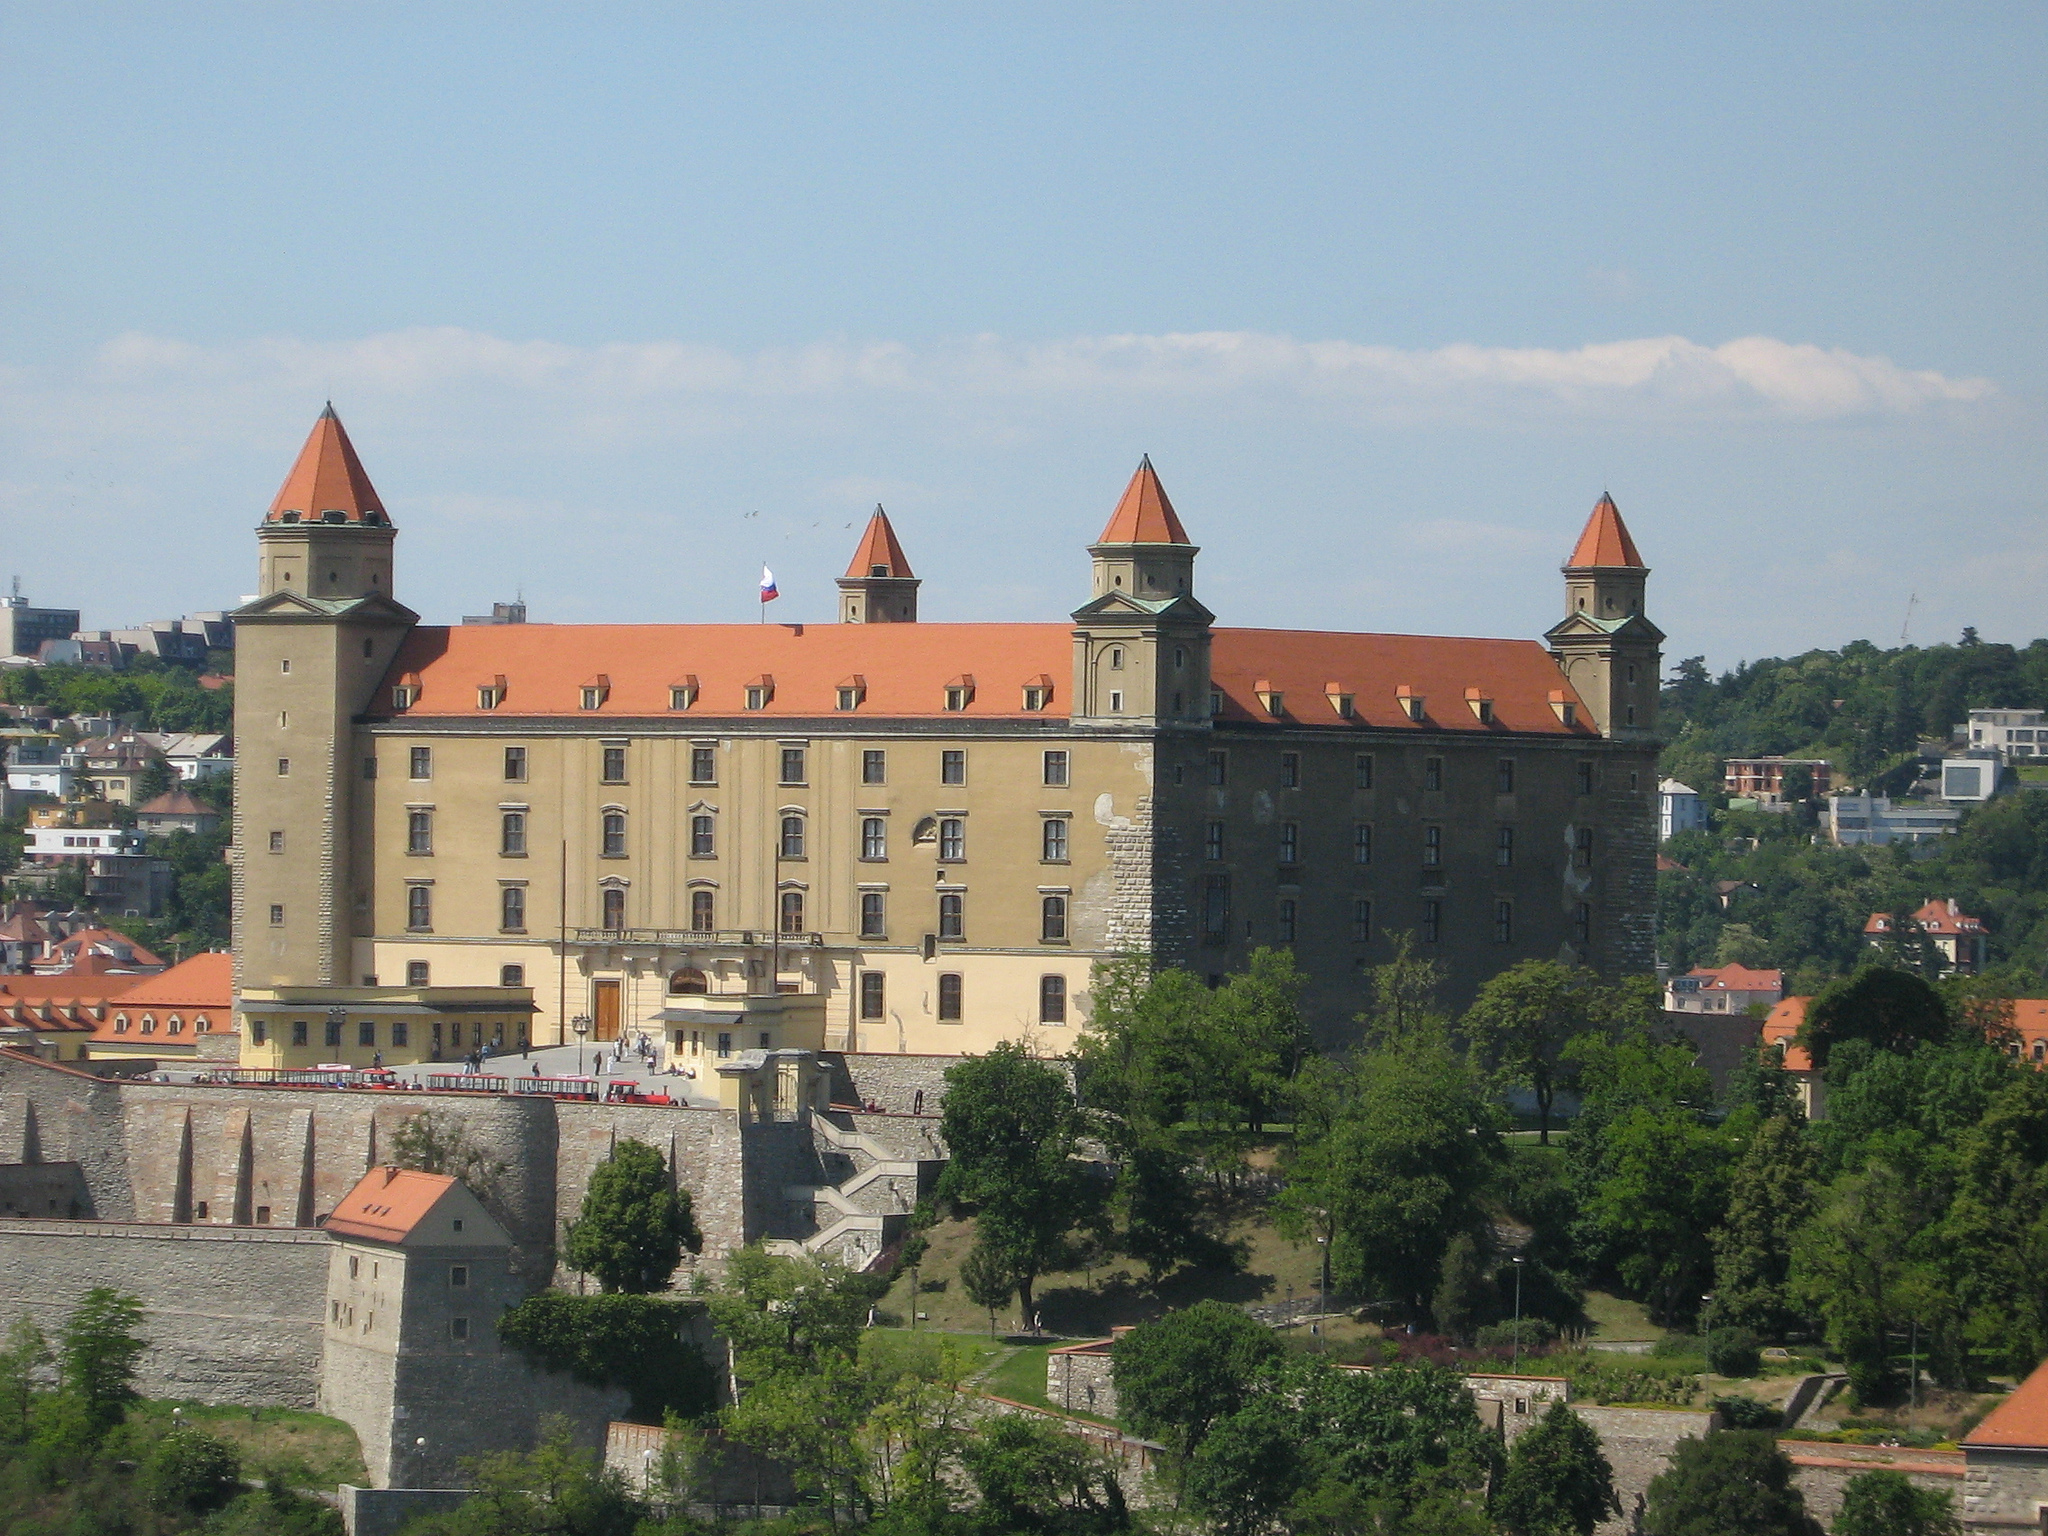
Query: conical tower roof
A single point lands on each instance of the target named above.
(1605, 545)
(328, 478)
(1144, 516)
(879, 553)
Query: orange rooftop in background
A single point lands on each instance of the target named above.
(1144, 516)
(2018, 1423)
(879, 553)
(327, 480)
(1605, 545)
(388, 1204)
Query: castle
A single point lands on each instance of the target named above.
(888, 835)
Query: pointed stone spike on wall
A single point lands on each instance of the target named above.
(181, 1185)
(243, 1144)
(303, 1216)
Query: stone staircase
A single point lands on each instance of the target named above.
(856, 1219)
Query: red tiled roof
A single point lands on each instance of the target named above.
(388, 1204)
(2021, 1420)
(1941, 918)
(77, 946)
(85, 988)
(1738, 978)
(205, 981)
(879, 553)
(2029, 1023)
(328, 477)
(1781, 1024)
(907, 668)
(1605, 542)
(1144, 516)
(176, 802)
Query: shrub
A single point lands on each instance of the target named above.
(1682, 1345)
(1532, 1332)
(1740, 1412)
(1734, 1352)
(191, 1472)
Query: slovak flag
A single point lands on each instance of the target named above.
(768, 592)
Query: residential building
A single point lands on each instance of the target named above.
(94, 648)
(23, 628)
(1959, 937)
(55, 1017)
(1972, 779)
(2013, 734)
(36, 766)
(194, 754)
(501, 613)
(24, 938)
(1723, 989)
(1679, 809)
(111, 767)
(177, 810)
(1762, 779)
(101, 951)
(1853, 820)
(121, 876)
(187, 1012)
(168, 640)
(889, 835)
(2025, 1032)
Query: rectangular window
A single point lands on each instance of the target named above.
(724, 1043)
(1582, 852)
(703, 765)
(419, 907)
(277, 842)
(284, 768)
(1290, 770)
(331, 1035)
(1361, 921)
(1432, 847)
(260, 1031)
(458, 1328)
(792, 842)
(1290, 842)
(952, 916)
(1052, 999)
(298, 1031)
(703, 836)
(874, 915)
(1053, 840)
(512, 834)
(1504, 776)
(703, 912)
(277, 914)
(1432, 773)
(1116, 701)
(792, 765)
(1219, 767)
(949, 997)
(871, 994)
(1216, 906)
(422, 763)
(792, 911)
(681, 695)
(613, 904)
(874, 838)
(369, 767)
(1504, 847)
(1212, 842)
(1585, 778)
(419, 832)
(1361, 771)
(1503, 922)
(400, 1034)
(511, 975)
(1052, 920)
(953, 766)
(952, 840)
(1432, 922)
(849, 698)
(458, 1274)
(1056, 769)
(874, 767)
(366, 1033)
(614, 764)
(1286, 921)
(1582, 924)
(1361, 842)
(512, 912)
(515, 765)
(416, 972)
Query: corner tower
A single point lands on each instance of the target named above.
(310, 652)
(878, 587)
(1141, 646)
(1607, 650)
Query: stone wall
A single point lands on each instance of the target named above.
(233, 1313)
(1638, 1443)
(2005, 1489)
(54, 1190)
(703, 1148)
(1821, 1471)
(51, 1114)
(1079, 1381)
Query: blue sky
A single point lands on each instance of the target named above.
(1389, 294)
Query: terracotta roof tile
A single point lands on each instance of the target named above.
(2021, 1420)
(879, 553)
(1605, 542)
(88, 988)
(1738, 978)
(204, 981)
(328, 477)
(1941, 918)
(176, 802)
(1144, 516)
(907, 668)
(1781, 1025)
(388, 1204)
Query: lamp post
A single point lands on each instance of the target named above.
(1323, 1303)
(1518, 1315)
(581, 1024)
(1707, 1327)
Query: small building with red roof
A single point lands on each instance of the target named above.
(1961, 939)
(1726, 989)
(2005, 1460)
(2023, 1032)
(187, 1011)
(176, 810)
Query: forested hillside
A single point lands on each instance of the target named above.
(1800, 905)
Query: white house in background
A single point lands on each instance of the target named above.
(1679, 809)
(2011, 733)
(37, 767)
(1859, 819)
(1724, 989)
(1969, 780)
(195, 754)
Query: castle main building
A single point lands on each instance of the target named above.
(887, 835)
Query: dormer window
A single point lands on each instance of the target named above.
(405, 694)
(596, 691)
(1340, 701)
(1271, 699)
(683, 695)
(960, 692)
(1412, 704)
(490, 695)
(760, 692)
(1036, 697)
(853, 692)
(1566, 711)
(878, 570)
(1481, 707)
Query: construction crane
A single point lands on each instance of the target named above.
(1906, 629)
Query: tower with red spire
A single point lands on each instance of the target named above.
(878, 587)
(1608, 651)
(327, 534)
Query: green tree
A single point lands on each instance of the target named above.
(1035, 1480)
(1735, 1482)
(191, 1472)
(1860, 1261)
(1557, 1483)
(1403, 1005)
(1521, 1022)
(1771, 1194)
(639, 1343)
(1012, 1130)
(97, 1353)
(22, 1364)
(1257, 1012)
(1887, 1504)
(634, 1225)
(1248, 1468)
(1466, 1297)
(788, 1315)
(1893, 1010)
(1176, 1377)
(556, 1489)
(1996, 1229)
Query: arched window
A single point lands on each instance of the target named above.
(615, 834)
(120, 1023)
(703, 837)
(792, 911)
(149, 1023)
(176, 1025)
(792, 837)
(688, 982)
(703, 912)
(512, 909)
(614, 908)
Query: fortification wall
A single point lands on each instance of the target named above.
(1638, 1443)
(703, 1147)
(232, 1313)
(1821, 1472)
(51, 1114)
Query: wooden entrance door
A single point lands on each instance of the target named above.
(604, 1023)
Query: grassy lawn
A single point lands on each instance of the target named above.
(326, 1448)
(1619, 1321)
(1020, 1377)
